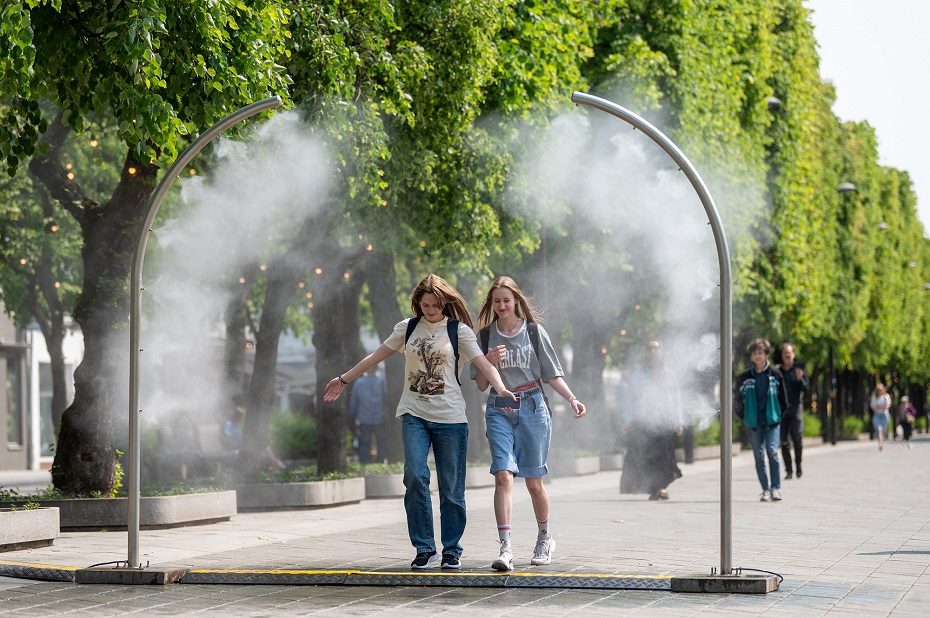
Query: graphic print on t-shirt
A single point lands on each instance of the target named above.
(428, 379)
(518, 357)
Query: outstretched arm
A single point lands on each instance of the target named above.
(335, 386)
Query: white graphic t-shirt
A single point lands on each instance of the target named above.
(431, 391)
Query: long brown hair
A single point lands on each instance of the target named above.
(524, 308)
(453, 305)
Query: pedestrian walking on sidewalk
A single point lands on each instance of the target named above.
(880, 404)
(652, 417)
(907, 414)
(761, 400)
(366, 414)
(792, 423)
(514, 340)
(432, 412)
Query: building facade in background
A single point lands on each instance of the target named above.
(26, 394)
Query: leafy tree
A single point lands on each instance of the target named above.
(158, 71)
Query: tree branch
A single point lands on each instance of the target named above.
(47, 168)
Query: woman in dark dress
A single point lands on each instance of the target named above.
(652, 418)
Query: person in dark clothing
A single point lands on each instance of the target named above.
(760, 402)
(652, 418)
(366, 412)
(792, 423)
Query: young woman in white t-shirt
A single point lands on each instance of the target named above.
(432, 412)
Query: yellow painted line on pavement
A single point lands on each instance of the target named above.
(446, 573)
(37, 565)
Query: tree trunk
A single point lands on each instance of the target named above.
(237, 320)
(85, 455)
(382, 295)
(338, 347)
(284, 273)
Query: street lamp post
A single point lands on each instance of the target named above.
(843, 189)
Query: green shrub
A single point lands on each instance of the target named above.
(812, 426)
(851, 427)
(710, 436)
(293, 436)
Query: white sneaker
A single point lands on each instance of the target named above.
(776, 495)
(766, 496)
(504, 562)
(542, 554)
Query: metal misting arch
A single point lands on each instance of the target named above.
(726, 309)
(133, 472)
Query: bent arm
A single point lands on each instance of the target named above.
(559, 385)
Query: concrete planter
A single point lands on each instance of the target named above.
(575, 466)
(283, 496)
(27, 528)
(612, 462)
(384, 486)
(154, 511)
(478, 476)
(707, 452)
(392, 485)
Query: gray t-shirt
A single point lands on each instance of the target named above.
(520, 365)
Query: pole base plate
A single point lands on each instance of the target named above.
(734, 584)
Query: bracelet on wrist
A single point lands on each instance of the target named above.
(573, 398)
(344, 383)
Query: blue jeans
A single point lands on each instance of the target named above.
(450, 444)
(764, 442)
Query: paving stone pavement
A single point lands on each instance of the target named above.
(852, 537)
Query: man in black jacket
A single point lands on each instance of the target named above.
(792, 423)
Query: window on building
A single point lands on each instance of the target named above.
(12, 375)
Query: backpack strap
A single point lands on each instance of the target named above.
(483, 336)
(411, 326)
(452, 328)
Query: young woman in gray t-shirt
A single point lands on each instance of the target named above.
(519, 435)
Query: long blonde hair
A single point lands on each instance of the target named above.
(453, 305)
(524, 308)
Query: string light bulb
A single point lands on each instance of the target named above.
(192, 171)
(93, 142)
(346, 275)
(131, 170)
(318, 270)
(301, 285)
(263, 267)
(241, 279)
(57, 284)
(369, 247)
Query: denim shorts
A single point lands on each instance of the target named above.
(519, 440)
(880, 420)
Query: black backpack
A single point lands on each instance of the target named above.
(452, 328)
(532, 329)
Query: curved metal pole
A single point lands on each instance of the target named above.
(135, 292)
(726, 310)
